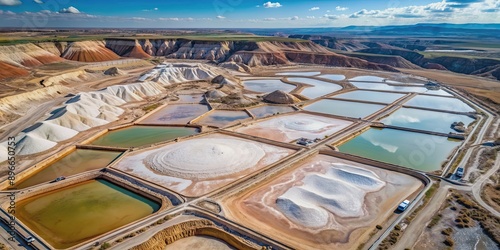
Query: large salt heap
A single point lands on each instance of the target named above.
(166, 74)
(281, 97)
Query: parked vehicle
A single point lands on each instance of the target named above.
(60, 178)
(460, 172)
(403, 205)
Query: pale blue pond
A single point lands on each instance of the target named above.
(408, 149)
(332, 77)
(267, 85)
(386, 87)
(437, 102)
(344, 108)
(320, 88)
(371, 96)
(264, 111)
(299, 73)
(221, 118)
(425, 120)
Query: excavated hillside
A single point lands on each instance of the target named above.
(127, 48)
(250, 53)
(464, 65)
(394, 61)
(11, 71)
(26, 55)
(333, 42)
(89, 51)
(413, 57)
(489, 72)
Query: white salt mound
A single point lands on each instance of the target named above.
(136, 91)
(32, 144)
(340, 191)
(51, 132)
(205, 158)
(77, 122)
(166, 74)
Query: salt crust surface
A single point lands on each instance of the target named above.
(340, 191)
(298, 125)
(210, 160)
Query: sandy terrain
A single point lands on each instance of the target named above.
(200, 243)
(325, 203)
(197, 166)
(287, 128)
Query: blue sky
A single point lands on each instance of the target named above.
(241, 13)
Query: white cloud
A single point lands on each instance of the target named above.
(310, 17)
(183, 19)
(339, 8)
(258, 6)
(272, 5)
(331, 17)
(169, 19)
(314, 8)
(270, 19)
(221, 17)
(294, 18)
(70, 9)
(10, 2)
(38, 1)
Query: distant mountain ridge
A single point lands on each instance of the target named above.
(435, 29)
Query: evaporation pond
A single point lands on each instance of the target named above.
(395, 88)
(79, 161)
(438, 102)
(413, 150)
(176, 114)
(332, 77)
(267, 85)
(74, 214)
(264, 111)
(299, 73)
(190, 98)
(344, 108)
(319, 88)
(368, 79)
(425, 120)
(221, 118)
(137, 136)
(371, 96)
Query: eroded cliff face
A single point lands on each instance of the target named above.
(88, 51)
(250, 53)
(26, 55)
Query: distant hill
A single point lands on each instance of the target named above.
(423, 29)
